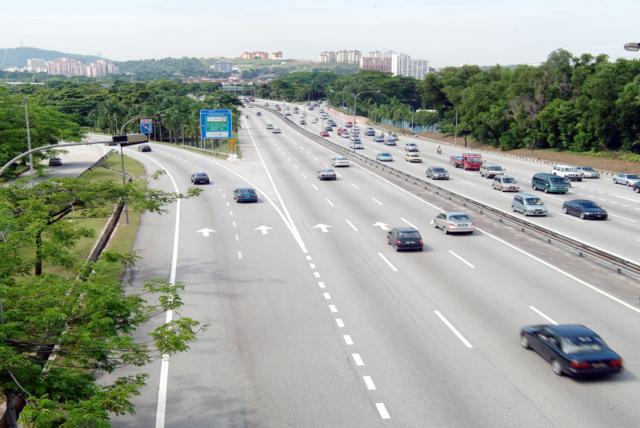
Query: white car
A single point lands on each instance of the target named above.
(567, 171)
(269, 125)
(339, 161)
(276, 131)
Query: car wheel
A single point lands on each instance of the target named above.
(628, 184)
(533, 186)
(636, 189)
(546, 190)
(565, 210)
(582, 216)
(556, 367)
(524, 341)
(445, 231)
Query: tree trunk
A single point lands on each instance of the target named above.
(38, 261)
(10, 419)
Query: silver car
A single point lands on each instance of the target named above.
(504, 183)
(588, 172)
(626, 179)
(528, 204)
(454, 222)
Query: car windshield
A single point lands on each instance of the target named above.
(586, 168)
(632, 177)
(385, 154)
(508, 180)
(576, 345)
(459, 217)
(495, 168)
(412, 235)
(246, 191)
(588, 204)
(556, 180)
(471, 159)
(533, 201)
(438, 170)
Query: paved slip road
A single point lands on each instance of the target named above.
(314, 328)
(620, 234)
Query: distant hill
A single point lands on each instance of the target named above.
(17, 57)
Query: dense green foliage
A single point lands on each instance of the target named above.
(583, 103)
(167, 68)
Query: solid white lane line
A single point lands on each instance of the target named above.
(237, 237)
(454, 330)
(382, 411)
(333, 309)
(239, 254)
(393, 268)
(357, 359)
(329, 202)
(347, 339)
(369, 382)
(355, 186)
(539, 312)
(321, 284)
(407, 222)
(315, 187)
(623, 218)
(567, 274)
(326, 296)
(312, 265)
(352, 225)
(461, 259)
(376, 201)
(316, 274)
(340, 323)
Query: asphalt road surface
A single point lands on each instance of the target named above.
(315, 321)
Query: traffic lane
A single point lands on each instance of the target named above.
(262, 306)
(516, 298)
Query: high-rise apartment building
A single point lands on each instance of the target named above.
(403, 65)
(36, 65)
(71, 67)
(376, 61)
(351, 57)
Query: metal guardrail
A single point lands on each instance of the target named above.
(579, 248)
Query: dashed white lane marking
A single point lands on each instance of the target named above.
(347, 339)
(357, 359)
(351, 224)
(315, 187)
(316, 274)
(312, 265)
(308, 258)
(393, 268)
(295, 166)
(461, 259)
(333, 309)
(622, 218)
(467, 182)
(239, 254)
(237, 237)
(329, 202)
(376, 201)
(230, 212)
(228, 204)
(304, 175)
(382, 410)
(321, 284)
(326, 296)
(355, 186)
(340, 323)
(454, 330)
(234, 224)
(224, 196)
(539, 312)
(316, 158)
(407, 222)
(369, 382)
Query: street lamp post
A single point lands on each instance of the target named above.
(26, 119)
(355, 100)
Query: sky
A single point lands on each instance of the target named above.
(445, 32)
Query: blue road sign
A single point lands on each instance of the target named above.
(146, 126)
(215, 123)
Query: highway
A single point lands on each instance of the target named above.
(619, 235)
(315, 321)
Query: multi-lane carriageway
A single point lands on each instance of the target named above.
(315, 321)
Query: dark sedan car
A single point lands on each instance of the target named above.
(200, 178)
(144, 148)
(585, 209)
(55, 162)
(574, 350)
(636, 187)
(405, 238)
(245, 194)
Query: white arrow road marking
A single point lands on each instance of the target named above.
(205, 232)
(381, 225)
(323, 227)
(264, 229)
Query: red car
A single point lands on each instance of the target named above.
(348, 124)
(324, 133)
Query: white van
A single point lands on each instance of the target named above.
(567, 171)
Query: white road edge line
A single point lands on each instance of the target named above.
(454, 330)
(369, 382)
(393, 268)
(461, 259)
(351, 224)
(539, 312)
(382, 410)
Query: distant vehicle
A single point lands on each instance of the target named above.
(471, 161)
(200, 177)
(393, 138)
(572, 350)
(339, 161)
(626, 179)
(588, 172)
(549, 183)
(384, 157)
(504, 183)
(55, 162)
(324, 133)
(528, 204)
(454, 222)
(314, 120)
(411, 147)
(327, 174)
(258, 113)
(356, 145)
(276, 131)
(405, 238)
(328, 128)
(585, 209)
(456, 161)
(144, 148)
(369, 132)
(278, 107)
(348, 124)
(389, 141)
(269, 125)
(245, 194)
(287, 114)
(344, 135)
(490, 170)
(567, 171)
(378, 138)
(303, 122)
(636, 187)
(412, 158)
(437, 173)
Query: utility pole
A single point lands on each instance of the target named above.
(26, 118)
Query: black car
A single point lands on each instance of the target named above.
(405, 238)
(55, 162)
(245, 194)
(200, 178)
(585, 209)
(258, 113)
(437, 173)
(144, 148)
(636, 187)
(574, 350)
